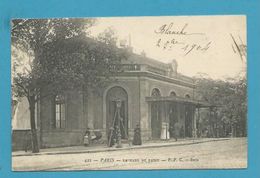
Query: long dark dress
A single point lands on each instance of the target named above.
(137, 137)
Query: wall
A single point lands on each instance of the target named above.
(20, 138)
(76, 123)
(89, 110)
(166, 87)
(59, 138)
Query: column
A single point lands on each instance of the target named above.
(90, 111)
(143, 105)
(165, 122)
(195, 111)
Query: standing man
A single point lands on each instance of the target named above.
(137, 136)
(177, 128)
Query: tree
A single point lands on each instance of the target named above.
(62, 58)
(230, 98)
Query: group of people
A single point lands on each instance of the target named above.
(91, 136)
(176, 131)
(113, 136)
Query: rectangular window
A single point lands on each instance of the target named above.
(59, 112)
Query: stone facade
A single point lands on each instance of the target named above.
(86, 109)
(63, 122)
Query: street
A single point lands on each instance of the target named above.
(231, 153)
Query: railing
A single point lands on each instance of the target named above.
(149, 68)
(131, 67)
(156, 70)
(126, 67)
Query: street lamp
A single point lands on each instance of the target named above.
(118, 130)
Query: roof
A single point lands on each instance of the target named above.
(139, 59)
(132, 58)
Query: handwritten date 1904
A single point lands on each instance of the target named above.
(187, 48)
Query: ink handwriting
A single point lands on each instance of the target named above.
(177, 39)
(169, 29)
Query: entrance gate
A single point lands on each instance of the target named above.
(114, 94)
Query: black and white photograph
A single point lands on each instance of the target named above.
(129, 93)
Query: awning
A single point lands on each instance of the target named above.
(197, 103)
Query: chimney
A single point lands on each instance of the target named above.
(143, 54)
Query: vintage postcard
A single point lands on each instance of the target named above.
(129, 93)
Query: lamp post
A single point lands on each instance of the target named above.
(118, 130)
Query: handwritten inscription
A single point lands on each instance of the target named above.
(169, 29)
(178, 39)
(190, 47)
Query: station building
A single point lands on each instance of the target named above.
(152, 94)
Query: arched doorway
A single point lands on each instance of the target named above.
(113, 95)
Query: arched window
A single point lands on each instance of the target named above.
(173, 93)
(59, 112)
(187, 96)
(156, 92)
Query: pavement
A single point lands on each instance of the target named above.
(125, 146)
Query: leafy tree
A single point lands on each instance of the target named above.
(108, 36)
(62, 58)
(229, 99)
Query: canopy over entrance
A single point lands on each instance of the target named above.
(197, 103)
(168, 112)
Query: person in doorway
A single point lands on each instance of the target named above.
(182, 132)
(171, 131)
(87, 138)
(176, 131)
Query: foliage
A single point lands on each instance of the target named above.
(61, 58)
(108, 37)
(80, 62)
(229, 105)
(30, 36)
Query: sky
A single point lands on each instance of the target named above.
(199, 44)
